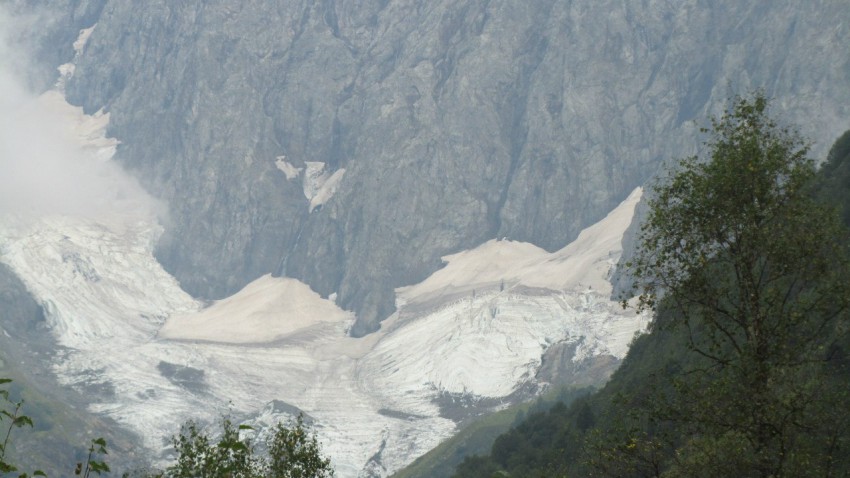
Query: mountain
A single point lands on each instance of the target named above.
(470, 339)
(420, 172)
(473, 119)
(498, 324)
(628, 429)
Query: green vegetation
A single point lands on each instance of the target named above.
(57, 439)
(478, 437)
(834, 177)
(94, 460)
(746, 368)
(11, 418)
(292, 452)
(758, 272)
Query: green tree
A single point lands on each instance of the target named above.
(682, 403)
(835, 176)
(757, 272)
(294, 453)
(199, 457)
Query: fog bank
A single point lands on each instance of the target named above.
(54, 159)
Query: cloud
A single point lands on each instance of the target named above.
(54, 159)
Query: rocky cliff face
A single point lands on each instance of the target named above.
(442, 123)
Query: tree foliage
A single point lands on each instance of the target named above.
(198, 456)
(834, 184)
(758, 269)
(292, 453)
(746, 368)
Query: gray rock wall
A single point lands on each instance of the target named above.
(455, 121)
(41, 33)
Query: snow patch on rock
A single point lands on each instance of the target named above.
(66, 70)
(319, 184)
(290, 171)
(315, 176)
(82, 39)
(327, 190)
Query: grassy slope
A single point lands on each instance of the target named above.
(477, 438)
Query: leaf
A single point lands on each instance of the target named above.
(239, 446)
(99, 466)
(21, 421)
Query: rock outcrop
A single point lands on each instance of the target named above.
(455, 121)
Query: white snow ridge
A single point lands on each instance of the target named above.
(478, 327)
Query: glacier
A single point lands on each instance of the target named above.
(150, 356)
